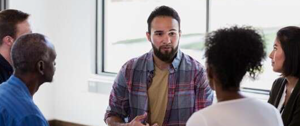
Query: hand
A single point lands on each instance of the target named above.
(137, 121)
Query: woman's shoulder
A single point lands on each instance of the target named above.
(280, 79)
(276, 91)
(278, 83)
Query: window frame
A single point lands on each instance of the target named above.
(100, 39)
(3, 4)
(100, 44)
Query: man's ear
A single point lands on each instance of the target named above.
(148, 36)
(8, 40)
(41, 67)
(179, 33)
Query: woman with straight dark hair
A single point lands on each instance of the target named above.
(230, 54)
(285, 93)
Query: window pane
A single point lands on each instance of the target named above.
(126, 26)
(267, 15)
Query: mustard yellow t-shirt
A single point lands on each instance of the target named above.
(158, 96)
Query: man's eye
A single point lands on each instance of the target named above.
(171, 33)
(159, 34)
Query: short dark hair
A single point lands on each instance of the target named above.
(27, 51)
(8, 21)
(162, 11)
(289, 38)
(231, 52)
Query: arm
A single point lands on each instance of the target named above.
(137, 121)
(295, 121)
(275, 91)
(271, 99)
(271, 94)
(204, 94)
(3, 117)
(118, 107)
(32, 120)
(115, 121)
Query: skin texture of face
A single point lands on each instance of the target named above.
(23, 28)
(277, 56)
(164, 37)
(50, 63)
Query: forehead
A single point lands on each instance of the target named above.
(23, 28)
(164, 22)
(51, 48)
(23, 24)
(277, 42)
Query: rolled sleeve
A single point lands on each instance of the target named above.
(204, 94)
(118, 100)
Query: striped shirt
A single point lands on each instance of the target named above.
(17, 107)
(188, 89)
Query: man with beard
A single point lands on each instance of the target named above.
(162, 87)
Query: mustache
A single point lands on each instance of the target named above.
(167, 46)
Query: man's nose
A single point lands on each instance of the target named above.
(167, 39)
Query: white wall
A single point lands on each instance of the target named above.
(38, 21)
(70, 25)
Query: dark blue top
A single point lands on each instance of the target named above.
(5, 69)
(17, 107)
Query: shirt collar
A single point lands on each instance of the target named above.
(177, 60)
(20, 84)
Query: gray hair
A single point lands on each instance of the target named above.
(27, 51)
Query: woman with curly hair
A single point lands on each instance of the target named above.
(285, 93)
(230, 54)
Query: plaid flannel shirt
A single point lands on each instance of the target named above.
(188, 89)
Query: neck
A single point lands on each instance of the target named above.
(224, 95)
(159, 63)
(31, 82)
(292, 81)
(5, 52)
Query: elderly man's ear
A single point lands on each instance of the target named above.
(41, 67)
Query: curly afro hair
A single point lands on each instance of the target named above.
(231, 52)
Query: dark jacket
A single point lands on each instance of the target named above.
(291, 113)
(6, 69)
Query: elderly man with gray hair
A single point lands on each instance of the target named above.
(33, 58)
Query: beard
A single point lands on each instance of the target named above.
(167, 56)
